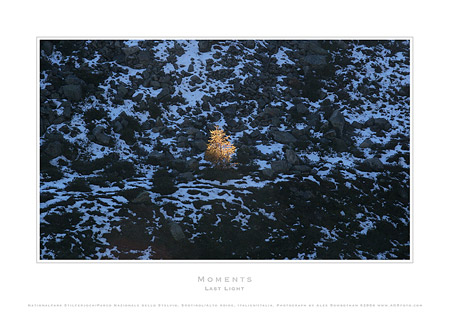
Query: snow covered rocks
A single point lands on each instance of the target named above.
(322, 137)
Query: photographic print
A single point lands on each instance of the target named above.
(183, 149)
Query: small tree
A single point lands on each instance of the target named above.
(219, 149)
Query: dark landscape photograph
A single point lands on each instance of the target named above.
(224, 149)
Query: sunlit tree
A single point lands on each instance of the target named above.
(220, 149)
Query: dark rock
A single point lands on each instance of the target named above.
(143, 197)
(100, 137)
(155, 84)
(200, 145)
(302, 109)
(65, 129)
(73, 92)
(144, 57)
(159, 122)
(305, 195)
(316, 60)
(279, 166)
(73, 80)
(117, 126)
(383, 123)
(165, 79)
(327, 110)
(302, 168)
(186, 176)
(196, 80)
(373, 164)
(255, 134)
(204, 46)
(122, 91)
(156, 156)
(272, 111)
(176, 231)
(137, 98)
(230, 110)
(268, 173)
(192, 131)
(130, 50)
(54, 149)
(182, 141)
(313, 47)
(337, 120)
(313, 119)
(298, 133)
(178, 49)
(243, 153)
(275, 121)
(199, 135)
(330, 134)
(192, 164)
(164, 92)
(146, 126)
(250, 44)
(47, 46)
(369, 122)
(58, 120)
(339, 145)
(291, 157)
(283, 137)
(366, 143)
(178, 164)
(357, 125)
(67, 109)
(294, 83)
(342, 44)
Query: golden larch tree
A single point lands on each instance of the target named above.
(220, 149)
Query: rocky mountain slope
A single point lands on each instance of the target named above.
(322, 130)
